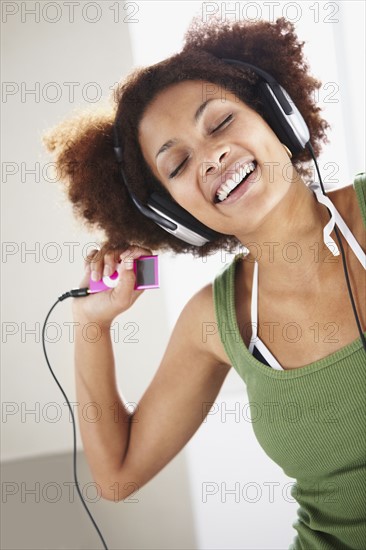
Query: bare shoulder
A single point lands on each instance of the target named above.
(203, 302)
(199, 315)
(345, 201)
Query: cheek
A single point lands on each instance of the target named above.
(186, 195)
(255, 135)
(191, 199)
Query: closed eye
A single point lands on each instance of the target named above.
(223, 123)
(175, 172)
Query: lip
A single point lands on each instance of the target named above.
(227, 174)
(241, 190)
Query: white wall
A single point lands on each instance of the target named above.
(43, 245)
(41, 509)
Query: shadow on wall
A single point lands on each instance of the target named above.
(41, 509)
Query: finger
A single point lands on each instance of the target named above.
(123, 294)
(127, 277)
(91, 263)
(97, 264)
(133, 253)
(104, 262)
(111, 260)
(89, 258)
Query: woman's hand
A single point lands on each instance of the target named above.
(103, 307)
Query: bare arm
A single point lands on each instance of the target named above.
(126, 450)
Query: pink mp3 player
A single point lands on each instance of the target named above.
(145, 269)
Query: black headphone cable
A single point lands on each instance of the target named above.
(74, 293)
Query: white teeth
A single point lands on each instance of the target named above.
(232, 182)
(237, 177)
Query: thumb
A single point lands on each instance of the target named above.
(126, 275)
(125, 290)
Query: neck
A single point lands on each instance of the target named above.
(289, 245)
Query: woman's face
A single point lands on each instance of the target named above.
(200, 141)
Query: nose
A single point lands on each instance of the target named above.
(215, 161)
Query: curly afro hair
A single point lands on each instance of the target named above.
(83, 144)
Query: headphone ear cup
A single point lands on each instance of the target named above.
(283, 117)
(281, 112)
(167, 207)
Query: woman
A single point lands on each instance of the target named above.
(195, 129)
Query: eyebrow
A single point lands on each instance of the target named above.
(196, 117)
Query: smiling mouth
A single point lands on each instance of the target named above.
(235, 182)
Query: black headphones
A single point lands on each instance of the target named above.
(284, 119)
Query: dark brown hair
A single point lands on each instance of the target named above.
(83, 144)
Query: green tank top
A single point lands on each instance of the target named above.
(311, 421)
